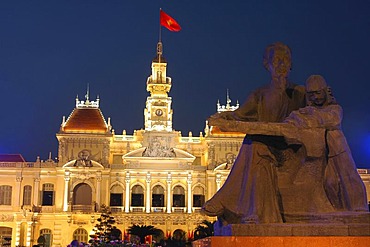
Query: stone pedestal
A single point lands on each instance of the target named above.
(315, 229)
(282, 241)
(329, 224)
(335, 229)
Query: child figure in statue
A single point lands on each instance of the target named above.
(343, 185)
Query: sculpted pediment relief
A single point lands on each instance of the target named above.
(79, 163)
(173, 154)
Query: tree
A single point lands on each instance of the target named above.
(143, 231)
(204, 229)
(104, 229)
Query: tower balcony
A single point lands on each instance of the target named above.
(157, 87)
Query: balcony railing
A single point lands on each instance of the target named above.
(43, 164)
(137, 209)
(117, 209)
(82, 208)
(158, 209)
(196, 209)
(47, 209)
(178, 209)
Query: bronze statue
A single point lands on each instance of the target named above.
(290, 171)
(343, 185)
(250, 193)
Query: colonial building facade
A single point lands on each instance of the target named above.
(154, 176)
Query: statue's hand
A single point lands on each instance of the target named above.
(308, 110)
(219, 119)
(221, 115)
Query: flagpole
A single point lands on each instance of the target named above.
(160, 37)
(160, 26)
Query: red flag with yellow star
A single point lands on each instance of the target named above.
(168, 22)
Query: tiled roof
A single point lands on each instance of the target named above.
(86, 120)
(11, 158)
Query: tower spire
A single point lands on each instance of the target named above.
(228, 106)
(87, 92)
(228, 100)
(158, 111)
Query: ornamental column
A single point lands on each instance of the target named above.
(169, 182)
(17, 233)
(66, 189)
(98, 185)
(148, 201)
(36, 186)
(17, 189)
(127, 193)
(218, 181)
(190, 194)
(211, 156)
(29, 232)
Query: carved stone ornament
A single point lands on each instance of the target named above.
(158, 149)
(84, 176)
(6, 217)
(83, 159)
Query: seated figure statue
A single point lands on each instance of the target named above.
(342, 184)
(250, 193)
(299, 170)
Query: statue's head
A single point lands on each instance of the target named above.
(278, 59)
(317, 91)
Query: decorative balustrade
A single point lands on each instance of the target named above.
(44, 164)
(117, 209)
(137, 209)
(82, 208)
(178, 209)
(158, 209)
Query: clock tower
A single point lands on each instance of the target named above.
(158, 111)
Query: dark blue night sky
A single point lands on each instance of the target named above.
(51, 50)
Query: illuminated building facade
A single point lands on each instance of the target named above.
(155, 176)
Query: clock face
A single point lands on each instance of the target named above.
(158, 112)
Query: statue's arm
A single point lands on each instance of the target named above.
(311, 138)
(248, 110)
(329, 117)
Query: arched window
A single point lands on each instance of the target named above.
(158, 196)
(82, 194)
(137, 196)
(27, 194)
(6, 236)
(198, 196)
(47, 195)
(46, 233)
(5, 195)
(178, 196)
(80, 235)
(82, 198)
(116, 195)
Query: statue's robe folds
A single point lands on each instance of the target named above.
(343, 185)
(250, 192)
(266, 185)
